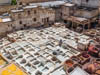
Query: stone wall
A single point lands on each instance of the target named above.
(84, 12)
(31, 17)
(67, 11)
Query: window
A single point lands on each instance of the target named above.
(8, 25)
(47, 19)
(61, 13)
(27, 3)
(28, 12)
(20, 22)
(35, 19)
(87, 0)
(24, 25)
(35, 12)
(20, 3)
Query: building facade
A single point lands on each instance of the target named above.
(87, 3)
(80, 15)
(26, 18)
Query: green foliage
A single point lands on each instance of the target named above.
(13, 2)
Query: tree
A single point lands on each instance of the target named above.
(13, 2)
